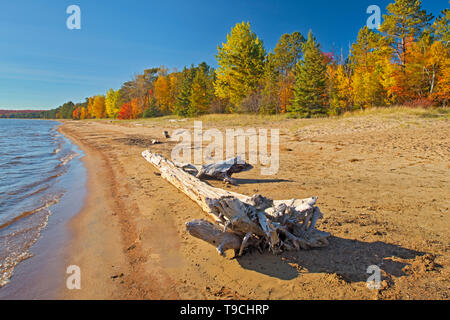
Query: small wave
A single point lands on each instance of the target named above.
(13, 251)
(64, 160)
(18, 252)
(47, 204)
(27, 187)
(59, 148)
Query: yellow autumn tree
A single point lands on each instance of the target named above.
(340, 89)
(90, 107)
(83, 113)
(162, 93)
(368, 57)
(112, 103)
(241, 61)
(98, 107)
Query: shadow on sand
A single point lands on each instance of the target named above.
(253, 181)
(347, 258)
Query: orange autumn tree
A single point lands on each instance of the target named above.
(126, 112)
(441, 94)
(90, 108)
(98, 107)
(76, 113)
(136, 108)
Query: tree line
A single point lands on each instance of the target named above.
(405, 62)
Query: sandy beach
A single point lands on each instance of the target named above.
(382, 183)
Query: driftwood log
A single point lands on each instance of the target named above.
(220, 170)
(243, 221)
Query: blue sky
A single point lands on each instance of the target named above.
(43, 64)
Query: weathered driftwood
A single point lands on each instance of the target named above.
(221, 170)
(214, 235)
(257, 221)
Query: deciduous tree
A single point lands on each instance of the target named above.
(241, 61)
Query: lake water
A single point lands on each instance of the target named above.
(41, 184)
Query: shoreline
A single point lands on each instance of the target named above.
(129, 239)
(42, 272)
(105, 242)
(85, 246)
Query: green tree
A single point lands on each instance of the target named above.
(66, 110)
(288, 52)
(311, 81)
(270, 94)
(441, 27)
(183, 98)
(201, 91)
(405, 21)
(241, 61)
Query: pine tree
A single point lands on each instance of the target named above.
(441, 27)
(310, 88)
(201, 91)
(288, 52)
(183, 98)
(270, 102)
(405, 20)
(279, 79)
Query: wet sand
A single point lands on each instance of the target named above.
(382, 183)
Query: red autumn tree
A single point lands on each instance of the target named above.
(126, 111)
(76, 113)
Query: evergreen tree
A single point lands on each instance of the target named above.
(270, 95)
(288, 52)
(441, 27)
(183, 98)
(201, 91)
(405, 21)
(311, 81)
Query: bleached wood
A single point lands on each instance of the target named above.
(222, 170)
(214, 235)
(279, 225)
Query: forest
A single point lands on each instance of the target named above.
(405, 62)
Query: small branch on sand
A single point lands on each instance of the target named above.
(242, 221)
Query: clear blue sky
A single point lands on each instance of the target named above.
(43, 64)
